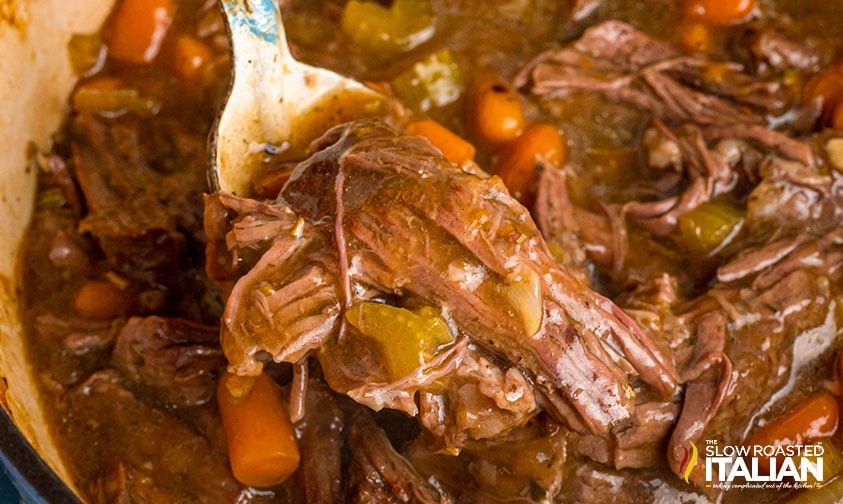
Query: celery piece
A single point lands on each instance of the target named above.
(383, 31)
(406, 339)
(706, 229)
(435, 81)
(113, 101)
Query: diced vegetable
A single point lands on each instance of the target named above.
(495, 109)
(453, 147)
(138, 28)
(813, 419)
(435, 81)
(720, 12)
(189, 56)
(707, 228)
(109, 96)
(387, 31)
(523, 291)
(262, 448)
(87, 53)
(407, 339)
(101, 300)
(518, 165)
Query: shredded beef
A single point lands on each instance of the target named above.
(692, 110)
(373, 214)
(715, 142)
(378, 473)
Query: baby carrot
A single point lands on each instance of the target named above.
(825, 89)
(261, 445)
(836, 120)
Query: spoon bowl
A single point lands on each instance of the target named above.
(275, 104)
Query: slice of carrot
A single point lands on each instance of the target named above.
(453, 147)
(138, 29)
(720, 12)
(189, 56)
(101, 300)
(518, 165)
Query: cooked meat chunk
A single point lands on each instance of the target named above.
(137, 214)
(380, 474)
(174, 360)
(372, 214)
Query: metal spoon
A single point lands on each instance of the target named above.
(275, 103)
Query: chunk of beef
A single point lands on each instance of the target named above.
(77, 347)
(173, 360)
(177, 460)
(378, 473)
(793, 198)
(479, 401)
(381, 214)
(637, 444)
(137, 214)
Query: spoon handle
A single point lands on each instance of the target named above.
(254, 109)
(255, 22)
(270, 96)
